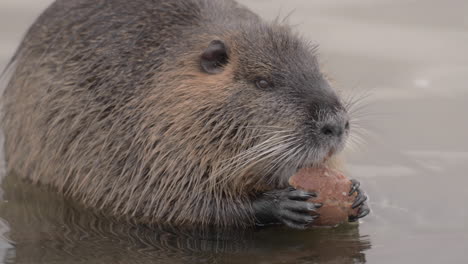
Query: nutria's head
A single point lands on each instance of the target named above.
(269, 105)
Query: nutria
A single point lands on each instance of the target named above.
(189, 112)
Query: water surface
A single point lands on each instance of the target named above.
(408, 58)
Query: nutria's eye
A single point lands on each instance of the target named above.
(262, 84)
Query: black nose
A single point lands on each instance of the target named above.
(334, 128)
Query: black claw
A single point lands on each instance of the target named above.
(354, 187)
(313, 219)
(363, 211)
(359, 200)
(312, 194)
(361, 196)
(312, 207)
(299, 195)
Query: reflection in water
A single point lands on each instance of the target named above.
(6, 246)
(45, 228)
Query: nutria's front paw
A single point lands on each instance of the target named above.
(288, 206)
(360, 201)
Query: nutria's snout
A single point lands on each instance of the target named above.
(332, 130)
(327, 128)
(335, 127)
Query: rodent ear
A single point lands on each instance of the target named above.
(214, 57)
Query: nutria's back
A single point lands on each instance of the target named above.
(166, 111)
